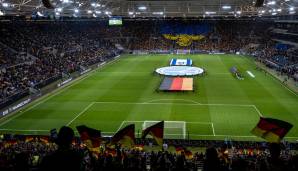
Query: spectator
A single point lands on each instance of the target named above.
(273, 162)
(65, 158)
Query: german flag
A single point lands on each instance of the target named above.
(125, 136)
(156, 131)
(184, 151)
(10, 143)
(139, 147)
(91, 137)
(188, 154)
(44, 139)
(272, 130)
(110, 151)
(29, 138)
(179, 150)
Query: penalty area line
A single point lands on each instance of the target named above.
(213, 130)
(79, 114)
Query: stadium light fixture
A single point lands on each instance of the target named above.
(65, 1)
(142, 8)
(274, 13)
(292, 12)
(210, 12)
(1, 13)
(279, 10)
(291, 9)
(93, 4)
(5, 4)
(39, 14)
(130, 13)
(89, 12)
(98, 12)
(238, 12)
(57, 13)
(58, 9)
(107, 12)
(94, 15)
(271, 3)
(226, 7)
(76, 10)
(157, 13)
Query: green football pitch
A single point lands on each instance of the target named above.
(124, 92)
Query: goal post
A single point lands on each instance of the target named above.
(172, 129)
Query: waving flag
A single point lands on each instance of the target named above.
(156, 131)
(184, 151)
(91, 137)
(125, 136)
(272, 130)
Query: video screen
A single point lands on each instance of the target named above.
(115, 21)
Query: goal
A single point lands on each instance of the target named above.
(172, 129)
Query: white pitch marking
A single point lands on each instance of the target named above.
(213, 131)
(276, 79)
(255, 107)
(197, 135)
(79, 114)
(250, 74)
(206, 123)
(173, 100)
(196, 104)
(21, 130)
(51, 95)
(121, 126)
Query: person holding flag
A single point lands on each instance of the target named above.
(156, 131)
(272, 130)
(125, 136)
(91, 137)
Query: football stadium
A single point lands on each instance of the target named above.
(149, 85)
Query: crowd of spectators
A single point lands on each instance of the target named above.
(68, 153)
(44, 50)
(48, 50)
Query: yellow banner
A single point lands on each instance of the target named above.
(183, 39)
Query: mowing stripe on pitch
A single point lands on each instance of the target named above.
(194, 103)
(52, 94)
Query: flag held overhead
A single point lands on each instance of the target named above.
(156, 131)
(125, 136)
(91, 137)
(272, 130)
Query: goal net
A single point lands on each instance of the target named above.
(172, 129)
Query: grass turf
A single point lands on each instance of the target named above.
(124, 92)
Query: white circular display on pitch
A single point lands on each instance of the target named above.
(179, 71)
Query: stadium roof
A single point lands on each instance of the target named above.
(148, 8)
